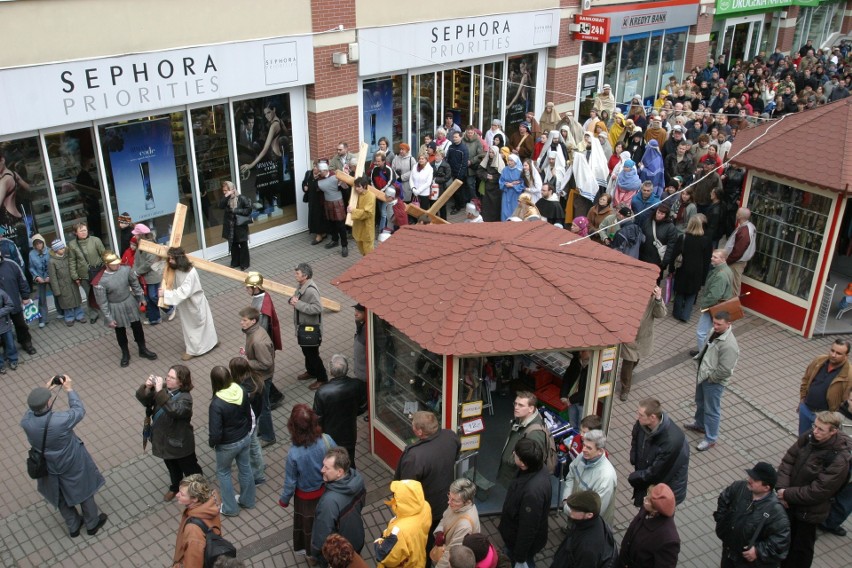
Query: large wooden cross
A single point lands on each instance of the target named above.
(432, 212)
(208, 266)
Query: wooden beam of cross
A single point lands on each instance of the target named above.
(416, 212)
(359, 171)
(209, 266)
(174, 241)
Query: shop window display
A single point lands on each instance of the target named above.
(384, 105)
(408, 378)
(266, 159)
(790, 223)
(24, 200)
(147, 171)
(520, 90)
(632, 69)
(213, 162)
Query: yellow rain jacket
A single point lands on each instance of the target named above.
(413, 520)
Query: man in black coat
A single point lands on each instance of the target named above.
(523, 521)
(750, 522)
(589, 541)
(660, 239)
(338, 404)
(659, 451)
(12, 282)
(431, 460)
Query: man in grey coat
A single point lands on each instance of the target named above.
(72, 478)
(307, 309)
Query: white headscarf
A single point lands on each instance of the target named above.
(597, 161)
(613, 177)
(558, 171)
(535, 180)
(583, 177)
(495, 159)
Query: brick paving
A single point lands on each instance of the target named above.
(759, 423)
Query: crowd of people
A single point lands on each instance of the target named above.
(650, 182)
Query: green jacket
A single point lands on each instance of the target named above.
(508, 470)
(717, 360)
(718, 286)
(85, 253)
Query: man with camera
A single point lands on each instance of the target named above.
(72, 477)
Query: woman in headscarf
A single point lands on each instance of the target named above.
(555, 143)
(489, 171)
(616, 170)
(587, 187)
(580, 226)
(549, 118)
(597, 161)
(526, 209)
(636, 113)
(652, 168)
(626, 185)
(511, 185)
(616, 130)
(598, 213)
(532, 180)
(522, 142)
(635, 145)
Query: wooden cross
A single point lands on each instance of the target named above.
(416, 212)
(208, 266)
(350, 181)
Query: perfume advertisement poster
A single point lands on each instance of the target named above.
(378, 113)
(142, 162)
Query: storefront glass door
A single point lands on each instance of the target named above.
(210, 129)
(457, 97)
(74, 168)
(587, 86)
(423, 116)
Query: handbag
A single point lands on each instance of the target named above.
(36, 462)
(661, 248)
(243, 220)
(437, 551)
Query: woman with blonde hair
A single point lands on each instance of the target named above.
(693, 249)
(198, 497)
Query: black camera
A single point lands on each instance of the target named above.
(58, 380)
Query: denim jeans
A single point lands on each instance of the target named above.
(705, 324)
(226, 454)
(152, 310)
(840, 507)
(708, 412)
(258, 465)
(575, 414)
(265, 430)
(72, 314)
(10, 348)
(682, 306)
(42, 300)
(806, 418)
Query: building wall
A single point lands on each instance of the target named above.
(788, 28)
(698, 42)
(46, 31)
(372, 13)
(563, 61)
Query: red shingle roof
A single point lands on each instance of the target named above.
(810, 147)
(471, 288)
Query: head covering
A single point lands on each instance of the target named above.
(653, 169)
(525, 124)
(606, 87)
(628, 178)
(519, 165)
(585, 501)
(111, 258)
(125, 218)
(764, 472)
(57, 245)
(322, 166)
(495, 158)
(470, 209)
(39, 397)
(628, 163)
(254, 280)
(599, 166)
(140, 229)
(582, 224)
(550, 116)
(360, 308)
(663, 500)
(37, 237)
(390, 192)
(664, 93)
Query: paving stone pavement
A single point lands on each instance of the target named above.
(759, 423)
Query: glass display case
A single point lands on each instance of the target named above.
(408, 378)
(790, 224)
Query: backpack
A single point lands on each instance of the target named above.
(550, 459)
(215, 545)
(609, 559)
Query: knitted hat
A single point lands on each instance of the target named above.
(38, 398)
(57, 245)
(585, 502)
(478, 543)
(663, 499)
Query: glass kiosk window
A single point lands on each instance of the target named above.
(791, 223)
(408, 378)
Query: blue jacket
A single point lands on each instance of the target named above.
(638, 204)
(303, 470)
(12, 282)
(38, 262)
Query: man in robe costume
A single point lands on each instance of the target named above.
(262, 302)
(196, 319)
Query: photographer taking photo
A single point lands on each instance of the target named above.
(72, 477)
(169, 405)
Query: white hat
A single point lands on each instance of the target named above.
(322, 166)
(470, 209)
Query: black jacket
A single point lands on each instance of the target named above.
(230, 230)
(172, 436)
(432, 462)
(696, 263)
(523, 522)
(228, 422)
(587, 543)
(650, 541)
(339, 511)
(443, 174)
(737, 520)
(457, 158)
(667, 234)
(338, 404)
(659, 457)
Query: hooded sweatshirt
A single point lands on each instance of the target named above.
(409, 528)
(189, 548)
(230, 416)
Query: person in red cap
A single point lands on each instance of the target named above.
(652, 538)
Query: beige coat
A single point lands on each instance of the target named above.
(644, 342)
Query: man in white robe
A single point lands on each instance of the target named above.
(188, 297)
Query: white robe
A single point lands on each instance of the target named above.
(196, 319)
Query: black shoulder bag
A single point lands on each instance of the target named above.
(36, 462)
(308, 334)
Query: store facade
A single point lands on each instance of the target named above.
(477, 69)
(136, 134)
(820, 21)
(646, 45)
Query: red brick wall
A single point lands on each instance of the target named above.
(327, 129)
(847, 20)
(785, 35)
(561, 83)
(696, 53)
